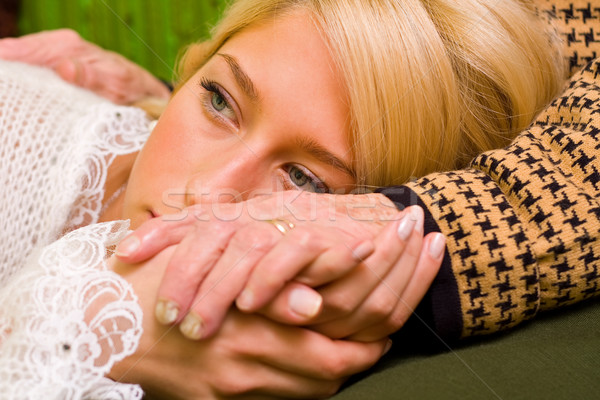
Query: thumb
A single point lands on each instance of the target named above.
(296, 304)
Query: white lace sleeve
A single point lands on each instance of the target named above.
(66, 319)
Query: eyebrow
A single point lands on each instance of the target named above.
(243, 80)
(308, 145)
(311, 146)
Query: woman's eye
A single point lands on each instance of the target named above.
(304, 180)
(217, 103)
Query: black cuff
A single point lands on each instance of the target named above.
(440, 310)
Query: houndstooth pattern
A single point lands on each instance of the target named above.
(523, 223)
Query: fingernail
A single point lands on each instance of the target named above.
(245, 300)
(388, 346)
(363, 250)
(437, 246)
(305, 302)
(166, 311)
(191, 326)
(128, 246)
(406, 226)
(419, 216)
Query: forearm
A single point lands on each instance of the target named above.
(522, 223)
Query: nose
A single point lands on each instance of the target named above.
(230, 177)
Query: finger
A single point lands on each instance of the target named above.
(343, 297)
(111, 76)
(383, 299)
(335, 263)
(296, 304)
(226, 279)
(10, 49)
(284, 349)
(185, 271)
(154, 235)
(324, 358)
(429, 265)
(45, 48)
(70, 70)
(293, 252)
(255, 380)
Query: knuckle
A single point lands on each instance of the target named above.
(388, 254)
(178, 267)
(69, 35)
(321, 272)
(335, 367)
(304, 238)
(221, 232)
(341, 303)
(248, 238)
(398, 318)
(228, 387)
(382, 304)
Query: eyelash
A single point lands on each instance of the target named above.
(213, 88)
(318, 184)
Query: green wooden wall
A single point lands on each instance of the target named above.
(149, 32)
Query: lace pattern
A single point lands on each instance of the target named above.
(64, 318)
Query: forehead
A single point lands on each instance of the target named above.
(288, 60)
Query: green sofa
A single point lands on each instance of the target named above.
(556, 356)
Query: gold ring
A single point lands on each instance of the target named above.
(282, 225)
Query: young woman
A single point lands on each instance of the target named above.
(314, 86)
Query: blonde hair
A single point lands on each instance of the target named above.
(431, 83)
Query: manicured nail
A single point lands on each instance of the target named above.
(406, 226)
(191, 326)
(388, 346)
(418, 215)
(305, 302)
(245, 300)
(128, 246)
(166, 311)
(437, 246)
(363, 250)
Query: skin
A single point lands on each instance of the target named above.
(237, 133)
(195, 146)
(202, 154)
(84, 64)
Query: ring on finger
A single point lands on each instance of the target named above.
(282, 225)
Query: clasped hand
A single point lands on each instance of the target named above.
(353, 267)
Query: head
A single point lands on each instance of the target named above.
(393, 89)
(430, 83)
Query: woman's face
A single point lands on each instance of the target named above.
(268, 112)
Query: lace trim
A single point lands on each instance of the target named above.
(119, 131)
(66, 320)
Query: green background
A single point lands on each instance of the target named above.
(149, 32)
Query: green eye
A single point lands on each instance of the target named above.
(298, 177)
(218, 102)
(305, 180)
